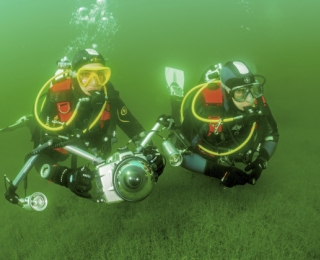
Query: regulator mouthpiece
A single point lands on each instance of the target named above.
(172, 154)
(35, 202)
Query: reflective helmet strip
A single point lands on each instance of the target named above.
(241, 67)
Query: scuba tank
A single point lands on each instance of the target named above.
(63, 65)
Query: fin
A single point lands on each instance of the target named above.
(175, 81)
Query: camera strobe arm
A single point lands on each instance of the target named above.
(165, 121)
(10, 194)
(90, 157)
(148, 137)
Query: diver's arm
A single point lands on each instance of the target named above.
(229, 176)
(270, 135)
(121, 114)
(268, 148)
(127, 121)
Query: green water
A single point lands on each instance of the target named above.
(187, 216)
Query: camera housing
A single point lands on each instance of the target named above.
(124, 176)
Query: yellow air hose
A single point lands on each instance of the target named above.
(211, 121)
(59, 128)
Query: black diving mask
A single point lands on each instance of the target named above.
(240, 93)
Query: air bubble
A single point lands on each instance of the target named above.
(93, 23)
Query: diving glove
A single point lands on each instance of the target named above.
(156, 159)
(229, 175)
(77, 180)
(256, 168)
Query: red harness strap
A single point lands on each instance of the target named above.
(213, 97)
(105, 116)
(62, 85)
(64, 107)
(263, 101)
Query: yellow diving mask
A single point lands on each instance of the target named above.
(100, 74)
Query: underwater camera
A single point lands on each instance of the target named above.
(124, 176)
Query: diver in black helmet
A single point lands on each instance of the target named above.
(228, 130)
(82, 105)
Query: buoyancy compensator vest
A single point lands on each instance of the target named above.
(213, 101)
(61, 94)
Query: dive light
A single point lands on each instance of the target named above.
(35, 202)
(171, 153)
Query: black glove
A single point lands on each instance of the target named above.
(156, 158)
(256, 169)
(229, 176)
(166, 121)
(234, 176)
(137, 139)
(77, 180)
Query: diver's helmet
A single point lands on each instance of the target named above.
(86, 56)
(239, 81)
(236, 73)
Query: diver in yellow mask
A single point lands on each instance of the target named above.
(82, 104)
(226, 123)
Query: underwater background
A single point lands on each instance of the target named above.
(187, 216)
